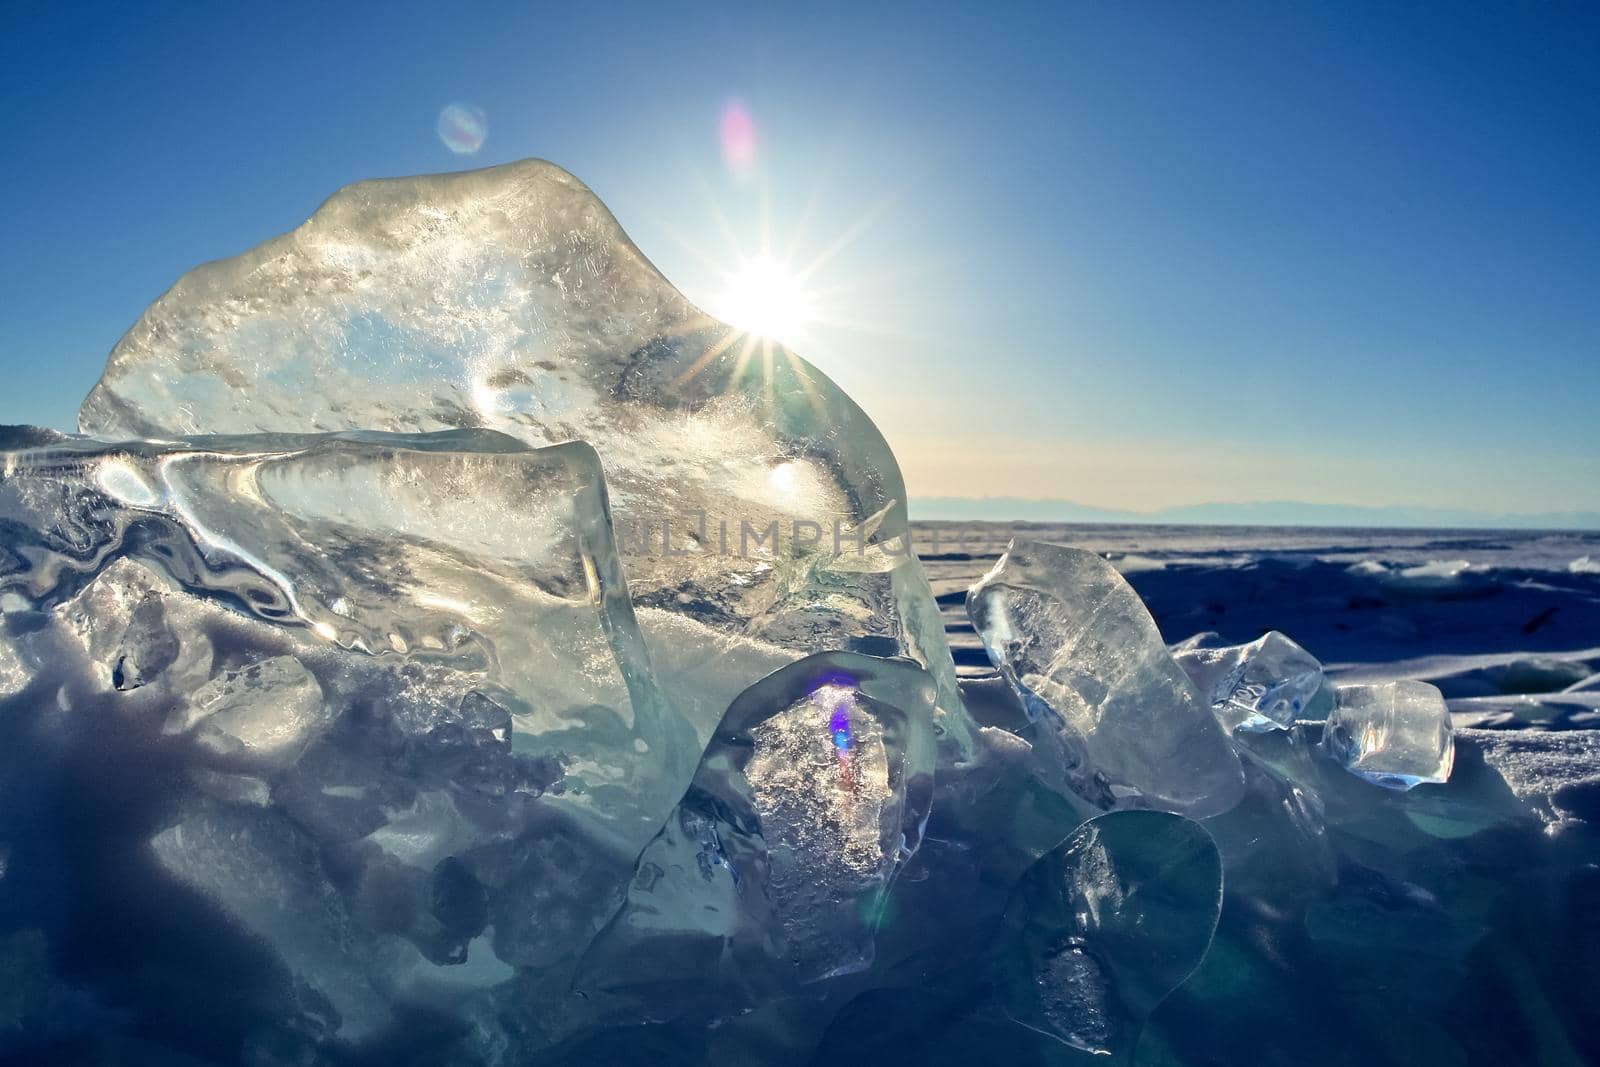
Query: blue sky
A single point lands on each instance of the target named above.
(1134, 255)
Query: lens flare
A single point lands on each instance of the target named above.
(737, 130)
(839, 727)
(463, 128)
(834, 694)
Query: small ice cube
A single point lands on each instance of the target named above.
(1262, 686)
(1396, 735)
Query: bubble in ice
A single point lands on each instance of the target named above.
(463, 128)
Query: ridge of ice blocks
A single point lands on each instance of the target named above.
(343, 723)
(1113, 717)
(1265, 685)
(760, 514)
(1397, 734)
(398, 679)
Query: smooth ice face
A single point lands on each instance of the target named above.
(1265, 685)
(394, 679)
(760, 514)
(1114, 718)
(1397, 735)
(775, 871)
(1104, 927)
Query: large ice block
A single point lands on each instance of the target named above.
(465, 547)
(759, 512)
(1113, 717)
(412, 659)
(1265, 685)
(1396, 734)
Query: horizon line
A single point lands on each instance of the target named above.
(1249, 513)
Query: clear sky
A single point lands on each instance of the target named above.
(1130, 254)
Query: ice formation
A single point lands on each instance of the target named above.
(1265, 685)
(759, 513)
(1397, 734)
(1110, 711)
(775, 870)
(1108, 924)
(446, 644)
(411, 650)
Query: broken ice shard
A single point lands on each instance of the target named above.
(1113, 717)
(1105, 926)
(1397, 734)
(403, 652)
(775, 871)
(760, 514)
(1265, 685)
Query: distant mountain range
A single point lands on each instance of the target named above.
(1256, 513)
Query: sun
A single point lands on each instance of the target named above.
(765, 298)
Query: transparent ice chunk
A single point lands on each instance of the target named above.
(1265, 685)
(148, 646)
(466, 546)
(263, 714)
(412, 648)
(1397, 734)
(755, 502)
(775, 871)
(1105, 926)
(1113, 717)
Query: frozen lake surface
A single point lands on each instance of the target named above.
(1506, 623)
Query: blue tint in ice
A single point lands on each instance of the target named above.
(1107, 925)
